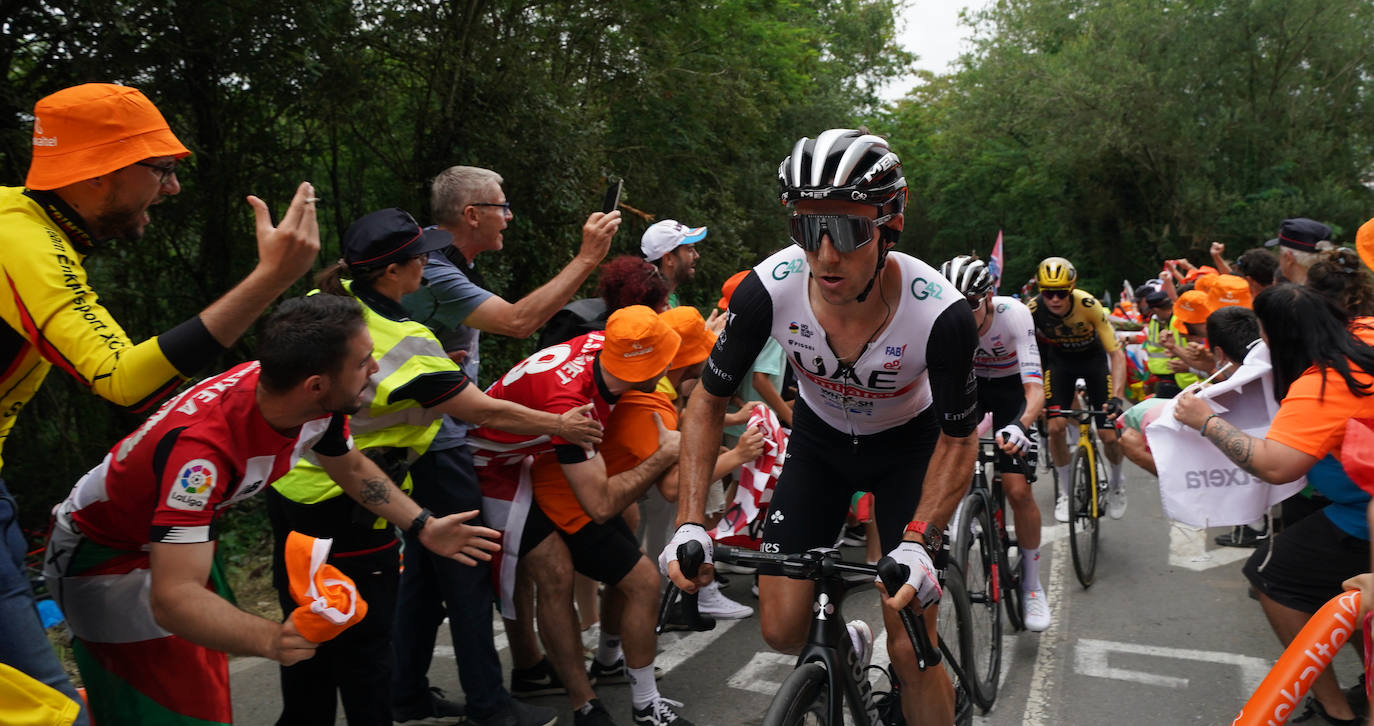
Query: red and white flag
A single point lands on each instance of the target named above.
(995, 262)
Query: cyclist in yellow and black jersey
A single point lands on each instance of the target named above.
(1076, 341)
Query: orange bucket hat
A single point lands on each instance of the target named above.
(639, 345)
(1364, 243)
(697, 341)
(93, 129)
(728, 289)
(1228, 290)
(1191, 307)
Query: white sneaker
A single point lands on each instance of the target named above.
(1037, 611)
(862, 637)
(1116, 503)
(1061, 508)
(711, 601)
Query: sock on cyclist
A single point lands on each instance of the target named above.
(1115, 475)
(1063, 476)
(1030, 570)
(608, 649)
(643, 689)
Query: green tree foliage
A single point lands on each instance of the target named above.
(1121, 132)
(693, 103)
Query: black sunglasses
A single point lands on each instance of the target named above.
(847, 232)
(1054, 293)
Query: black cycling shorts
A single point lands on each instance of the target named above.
(1061, 373)
(604, 552)
(1005, 397)
(1304, 565)
(824, 468)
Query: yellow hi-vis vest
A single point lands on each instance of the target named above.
(404, 351)
(1158, 358)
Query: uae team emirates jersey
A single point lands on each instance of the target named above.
(922, 359)
(201, 452)
(556, 379)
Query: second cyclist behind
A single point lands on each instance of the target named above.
(1010, 387)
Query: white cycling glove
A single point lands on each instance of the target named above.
(921, 574)
(1016, 435)
(686, 533)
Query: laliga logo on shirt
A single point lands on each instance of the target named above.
(192, 486)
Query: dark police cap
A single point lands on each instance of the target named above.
(389, 235)
(1300, 234)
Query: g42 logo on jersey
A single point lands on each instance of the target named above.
(922, 288)
(786, 267)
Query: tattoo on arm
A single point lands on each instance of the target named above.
(375, 492)
(1236, 444)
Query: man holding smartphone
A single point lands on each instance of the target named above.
(469, 204)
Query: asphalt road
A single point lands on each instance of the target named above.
(1166, 635)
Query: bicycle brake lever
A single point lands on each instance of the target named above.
(894, 574)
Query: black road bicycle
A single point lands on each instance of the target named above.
(828, 672)
(984, 553)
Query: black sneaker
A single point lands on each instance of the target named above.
(519, 714)
(1242, 536)
(1315, 715)
(608, 675)
(539, 679)
(435, 710)
(592, 714)
(659, 713)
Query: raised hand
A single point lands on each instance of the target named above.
(287, 251)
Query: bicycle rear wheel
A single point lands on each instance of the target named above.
(801, 700)
(979, 563)
(1082, 522)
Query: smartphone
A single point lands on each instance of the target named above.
(611, 201)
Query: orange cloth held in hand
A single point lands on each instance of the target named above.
(328, 599)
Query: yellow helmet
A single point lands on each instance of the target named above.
(1056, 273)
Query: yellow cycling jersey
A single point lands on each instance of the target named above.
(1083, 330)
(53, 317)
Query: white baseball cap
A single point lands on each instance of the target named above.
(665, 236)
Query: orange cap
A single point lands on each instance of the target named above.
(639, 345)
(697, 341)
(1228, 290)
(93, 129)
(728, 289)
(1364, 243)
(1191, 307)
(1204, 282)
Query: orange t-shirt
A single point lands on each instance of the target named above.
(630, 437)
(1314, 423)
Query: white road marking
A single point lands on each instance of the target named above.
(756, 675)
(1042, 684)
(1188, 549)
(1091, 660)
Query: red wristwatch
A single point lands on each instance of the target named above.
(931, 536)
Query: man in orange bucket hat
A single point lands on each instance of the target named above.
(102, 156)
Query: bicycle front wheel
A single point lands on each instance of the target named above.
(802, 699)
(979, 561)
(1082, 521)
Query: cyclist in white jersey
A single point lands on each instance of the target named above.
(1011, 388)
(883, 348)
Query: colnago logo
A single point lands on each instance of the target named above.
(776, 516)
(823, 608)
(1217, 478)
